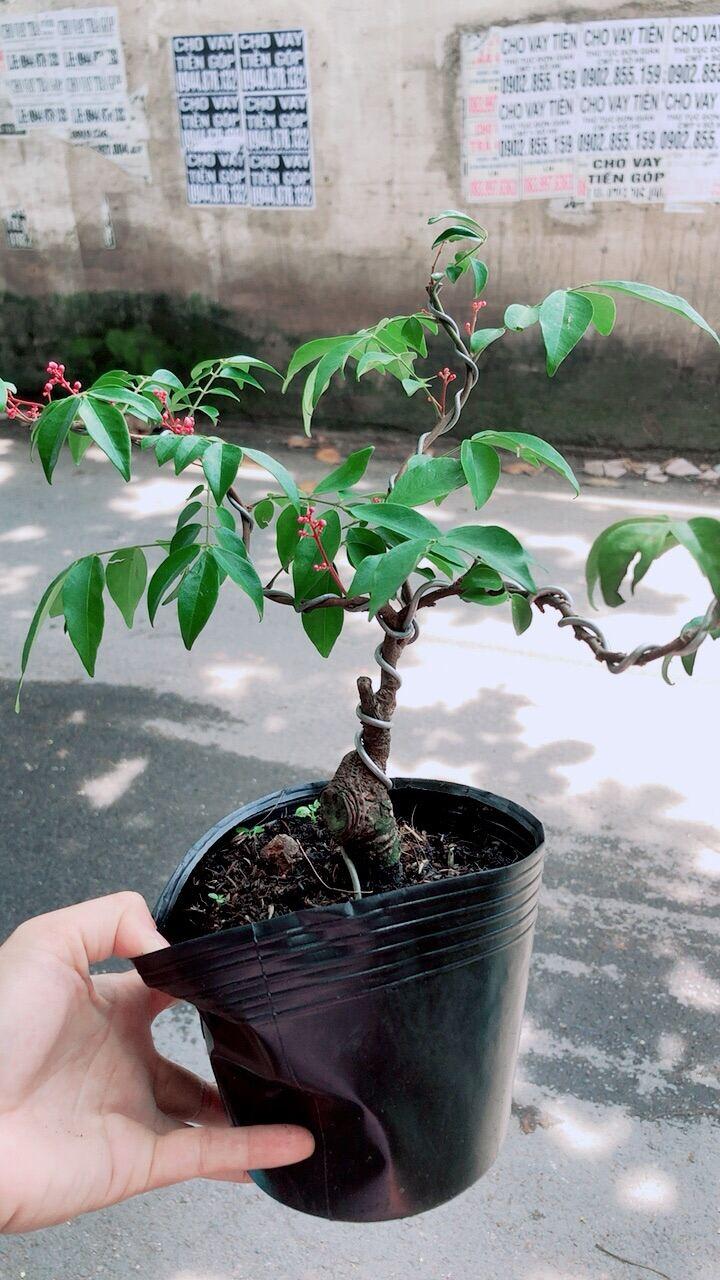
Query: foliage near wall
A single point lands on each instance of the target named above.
(94, 330)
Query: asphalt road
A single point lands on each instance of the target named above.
(612, 1141)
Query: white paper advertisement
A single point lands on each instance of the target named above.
(624, 110)
(64, 72)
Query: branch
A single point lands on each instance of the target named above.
(688, 641)
(352, 604)
(450, 419)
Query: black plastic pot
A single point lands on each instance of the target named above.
(387, 1026)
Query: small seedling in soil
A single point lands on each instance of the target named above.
(343, 551)
(219, 898)
(310, 811)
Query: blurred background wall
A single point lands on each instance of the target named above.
(386, 139)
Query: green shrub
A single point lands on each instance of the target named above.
(91, 331)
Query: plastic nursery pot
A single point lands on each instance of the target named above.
(387, 1026)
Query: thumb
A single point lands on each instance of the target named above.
(225, 1153)
(118, 925)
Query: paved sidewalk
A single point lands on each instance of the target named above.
(105, 784)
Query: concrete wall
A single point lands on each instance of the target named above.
(386, 135)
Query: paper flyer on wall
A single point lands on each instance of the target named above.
(626, 110)
(243, 104)
(63, 72)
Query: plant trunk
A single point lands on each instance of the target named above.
(355, 806)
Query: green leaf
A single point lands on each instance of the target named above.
(250, 362)
(263, 512)
(457, 231)
(411, 385)
(392, 570)
(225, 518)
(331, 363)
(459, 218)
(522, 614)
(51, 431)
(495, 547)
(204, 366)
(481, 467)
(448, 562)
(308, 400)
(188, 450)
(483, 585)
(642, 539)
(166, 445)
(126, 576)
(225, 394)
(361, 543)
(365, 573)
(481, 339)
(82, 593)
(287, 536)
(107, 427)
(374, 359)
(79, 444)
(5, 387)
(604, 310)
(167, 572)
(348, 473)
(688, 659)
(518, 316)
(231, 541)
(44, 610)
(414, 335)
(198, 596)
(531, 449)
(309, 352)
(164, 378)
(399, 519)
(701, 537)
(145, 407)
(480, 276)
(276, 469)
(322, 627)
(220, 463)
(427, 480)
(660, 298)
(185, 536)
(564, 318)
(241, 379)
(242, 572)
(210, 412)
(187, 514)
(112, 378)
(457, 268)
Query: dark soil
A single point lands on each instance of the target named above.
(237, 883)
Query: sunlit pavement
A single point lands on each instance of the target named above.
(105, 784)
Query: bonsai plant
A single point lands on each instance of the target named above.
(358, 949)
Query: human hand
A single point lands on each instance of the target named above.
(90, 1113)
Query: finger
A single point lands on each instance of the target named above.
(158, 1002)
(118, 925)
(184, 1096)
(130, 988)
(225, 1153)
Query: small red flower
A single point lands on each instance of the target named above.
(446, 376)
(57, 379)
